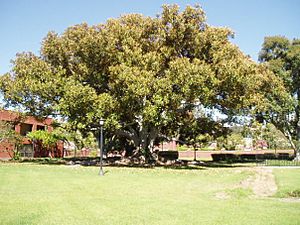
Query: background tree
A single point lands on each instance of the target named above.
(282, 56)
(9, 136)
(198, 131)
(275, 138)
(135, 71)
(87, 140)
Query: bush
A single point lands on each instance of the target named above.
(93, 153)
(165, 156)
(294, 194)
(229, 157)
(270, 156)
(248, 157)
(218, 157)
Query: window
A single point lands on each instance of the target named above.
(39, 127)
(25, 129)
(27, 151)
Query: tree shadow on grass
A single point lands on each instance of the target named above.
(177, 165)
(189, 167)
(43, 161)
(226, 164)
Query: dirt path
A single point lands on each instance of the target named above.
(262, 183)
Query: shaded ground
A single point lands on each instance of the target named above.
(127, 162)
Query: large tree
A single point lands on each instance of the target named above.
(282, 56)
(135, 71)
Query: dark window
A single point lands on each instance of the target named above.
(25, 129)
(27, 150)
(39, 127)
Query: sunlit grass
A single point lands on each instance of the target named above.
(43, 194)
(288, 182)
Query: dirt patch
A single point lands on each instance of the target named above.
(262, 183)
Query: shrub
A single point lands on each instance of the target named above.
(294, 193)
(165, 156)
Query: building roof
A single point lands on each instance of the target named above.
(8, 115)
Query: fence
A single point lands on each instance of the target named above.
(276, 162)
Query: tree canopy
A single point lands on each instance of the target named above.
(282, 56)
(135, 71)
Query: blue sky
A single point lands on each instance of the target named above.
(24, 23)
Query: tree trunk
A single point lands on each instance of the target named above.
(289, 136)
(147, 137)
(143, 139)
(297, 124)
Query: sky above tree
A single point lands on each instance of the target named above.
(25, 23)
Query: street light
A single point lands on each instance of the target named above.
(101, 122)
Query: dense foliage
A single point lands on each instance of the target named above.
(282, 56)
(47, 139)
(135, 71)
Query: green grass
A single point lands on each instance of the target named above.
(44, 194)
(288, 182)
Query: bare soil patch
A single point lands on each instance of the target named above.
(262, 183)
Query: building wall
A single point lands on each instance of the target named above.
(6, 149)
(167, 146)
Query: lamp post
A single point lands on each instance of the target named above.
(101, 173)
(195, 154)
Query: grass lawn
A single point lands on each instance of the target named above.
(44, 194)
(288, 182)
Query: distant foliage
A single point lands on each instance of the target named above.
(282, 56)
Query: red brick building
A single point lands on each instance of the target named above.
(24, 125)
